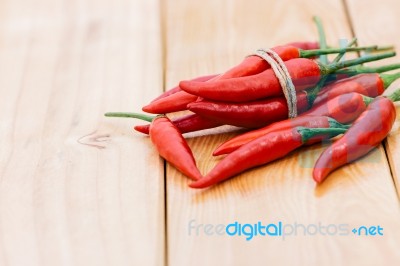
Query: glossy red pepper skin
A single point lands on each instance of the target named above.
(177, 89)
(370, 84)
(254, 64)
(179, 99)
(305, 73)
(171, 145)
(305, 45)
(185, 124)
(250, 66)
(260, 151)
(238, 141)
(250, 115)
(265, 149)
(344, 108)
(365, 134)
(254, 114)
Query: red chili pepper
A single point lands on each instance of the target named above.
(169, 143)
(250, 66)
(370, 84)
(185, 124)
(305, 45)
(344, 108)
(303, 121)
(263, 150)
(250, 115)
(365, 134)
(304, 73)
(177, 89)
(257, 114)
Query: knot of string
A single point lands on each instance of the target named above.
(283, 76)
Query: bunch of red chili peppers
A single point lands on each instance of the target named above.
(341, 100)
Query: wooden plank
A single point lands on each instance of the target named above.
(210, 36)
(381, 28)
(77, 188)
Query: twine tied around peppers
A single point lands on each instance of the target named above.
(283, 76)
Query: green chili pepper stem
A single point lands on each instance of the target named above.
(313, 93)
(311, 53)
(367, 100)
(395, 96)
(388, 79)
(309, 133)
(322, 38)
(363, 69)
(327, 69)
(333, 123)
(383, 48)
(143, 117)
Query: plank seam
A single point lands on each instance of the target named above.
(384, 144)
(163, 33)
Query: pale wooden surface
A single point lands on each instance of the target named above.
(77, 188)
(382, 27)
(80, 189)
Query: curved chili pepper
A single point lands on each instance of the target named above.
(370, 84)
(366, 133)
(169, 143)
(344, 108)
(304, 121)
(185, 124)
(263, 150)
(304, 73)
(177, 88)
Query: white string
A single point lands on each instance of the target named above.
(283, 76)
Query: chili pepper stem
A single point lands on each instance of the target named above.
(389, 78)
(309, 133)
(131, 115)
(395, 96)
(312, 94)
(363, 69)
(316, 52)
(333, 123)
(322, 38)
(367, 100)
(328, 69)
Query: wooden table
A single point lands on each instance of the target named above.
(77, 188)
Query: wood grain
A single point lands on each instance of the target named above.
(210, 36)
(381, 28)
(77, 188)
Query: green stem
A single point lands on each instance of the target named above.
(363, 69)
(382, 48)
(322, 38)
(327, 69)
(313, 93)
(131, 115)
(309, 133)
(388, 79)
(395, 96)
(333, 123)
(367, 100)
(316, 52)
